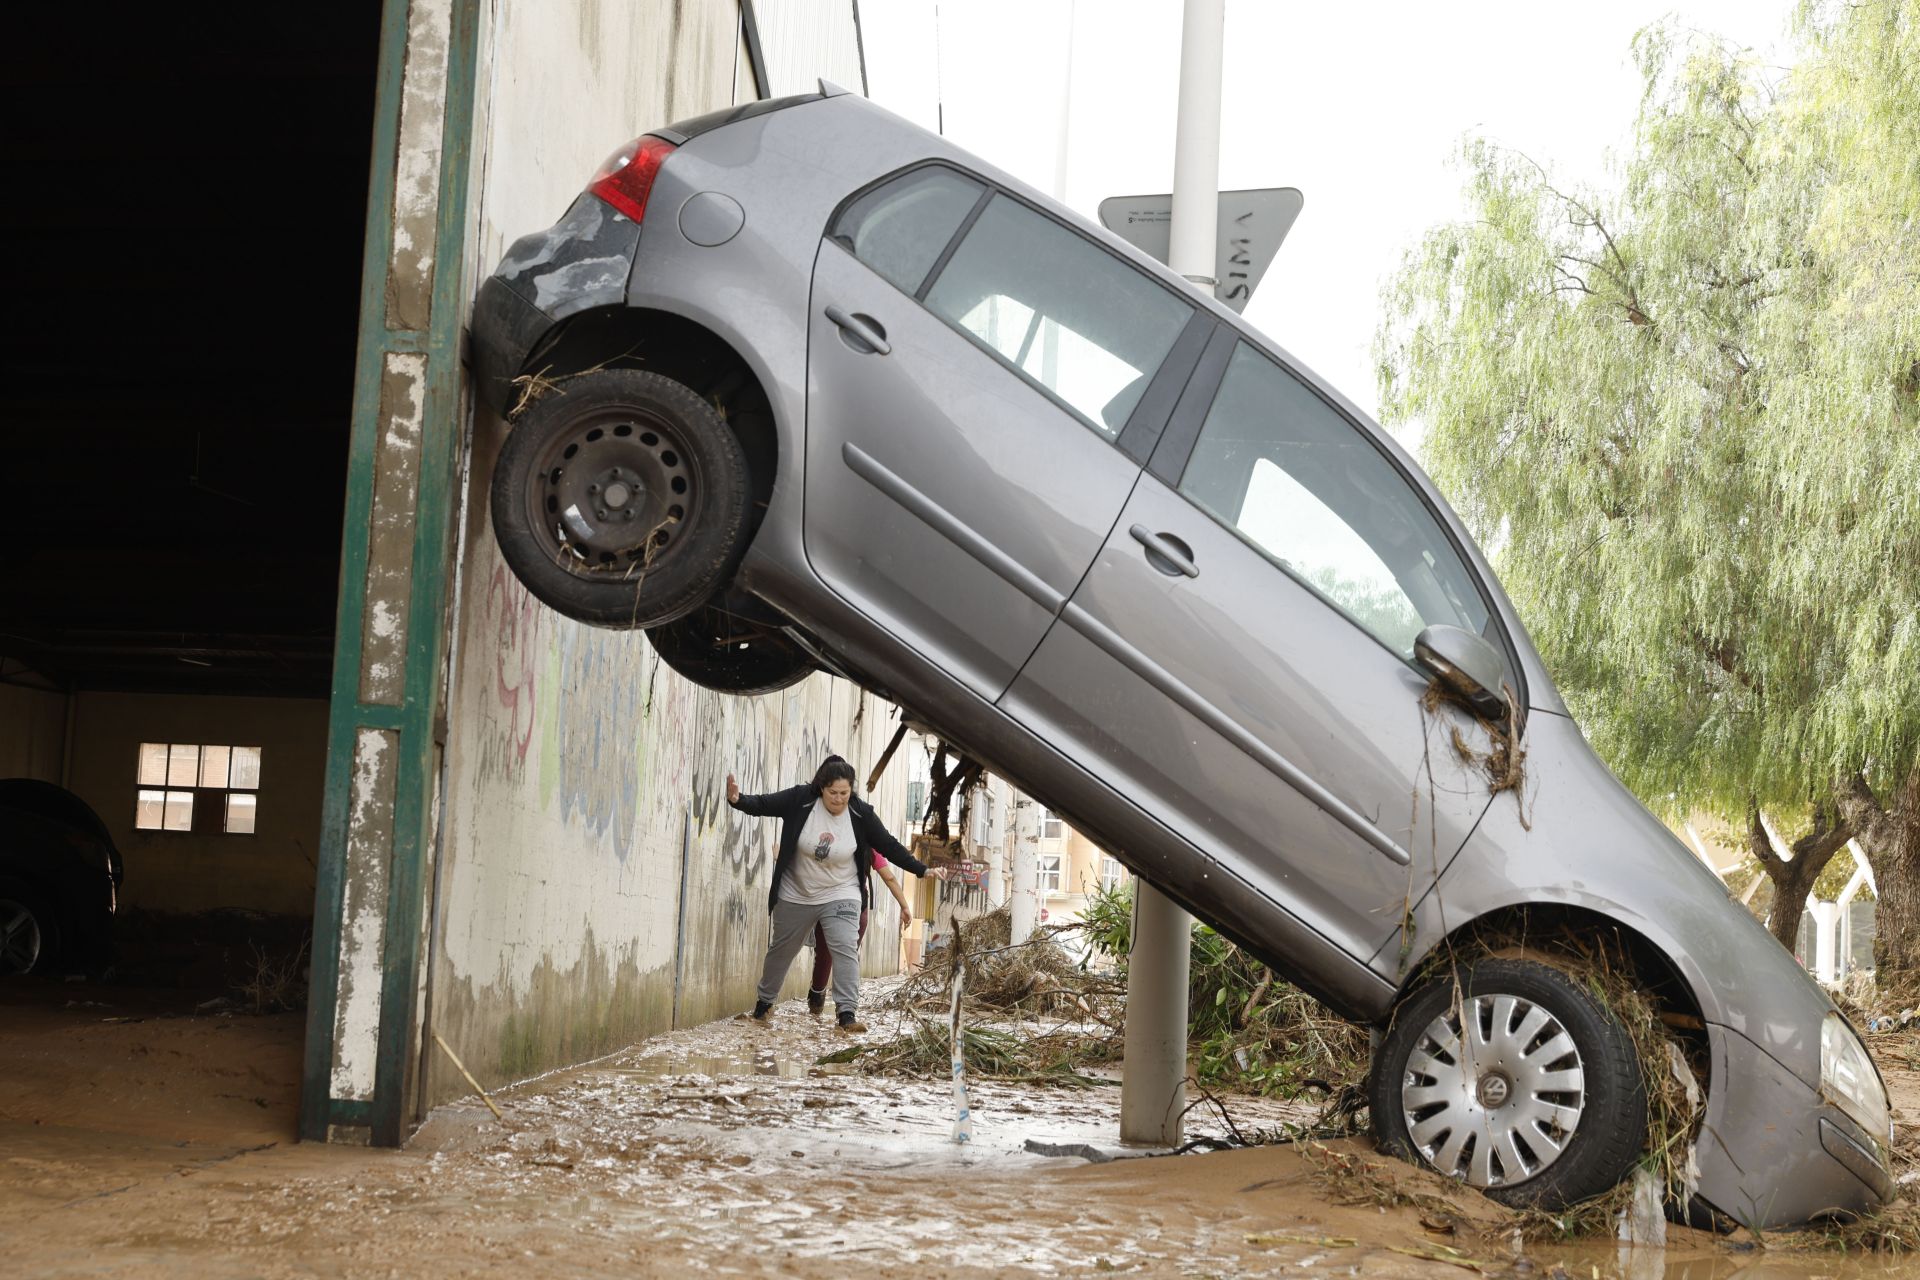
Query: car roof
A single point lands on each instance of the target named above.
(53, 803)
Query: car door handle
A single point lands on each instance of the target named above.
(865, 328)
(1164, 547)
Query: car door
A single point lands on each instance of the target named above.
(982, 395)
(1239, 658)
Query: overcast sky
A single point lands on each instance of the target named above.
(1360, 105)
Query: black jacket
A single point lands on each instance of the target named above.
(792, 807)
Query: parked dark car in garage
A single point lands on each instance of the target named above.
(801, 385)
(60, 879)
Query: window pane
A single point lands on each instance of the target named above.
(213, 766)
(1278, 464)
(153, 764)
(240, 813)
(1049, 873)
(1067, 314)
(179, 813)
(183, 765)
(149, 809)
(901, 228)
(246, 769)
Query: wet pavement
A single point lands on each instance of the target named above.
(719, 1150)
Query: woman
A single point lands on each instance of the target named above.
(823, 957)
(827, 839)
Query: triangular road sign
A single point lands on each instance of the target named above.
(1252, 225)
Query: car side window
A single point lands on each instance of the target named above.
(1062, 312)
(901, 228)
(1289, 474)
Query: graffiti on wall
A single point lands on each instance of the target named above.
(512, 618)
(586, 767)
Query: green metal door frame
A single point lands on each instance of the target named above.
(406, 721)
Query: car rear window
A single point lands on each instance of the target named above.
(900, 229)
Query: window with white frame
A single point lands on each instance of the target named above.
(1052, 873)
(1051, 828)
(197, 787)
(1112, 874)
(984, 829)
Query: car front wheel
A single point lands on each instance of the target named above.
(620, 498)
(1510, 1076)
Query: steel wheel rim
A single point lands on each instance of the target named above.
(612, 495)
(19, 937)
(1500, 1103)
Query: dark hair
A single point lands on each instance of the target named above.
(833, 769)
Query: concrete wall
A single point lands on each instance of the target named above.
(592, 887)
(33, 733)
(271, 870)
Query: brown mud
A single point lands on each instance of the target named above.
(143, 1138)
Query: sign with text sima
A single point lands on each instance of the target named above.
(1252, 225)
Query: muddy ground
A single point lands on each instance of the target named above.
(142, 1137)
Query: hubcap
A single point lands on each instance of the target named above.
(612, 492)
(1493, 1090)
(19, 937)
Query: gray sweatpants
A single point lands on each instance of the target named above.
(793, 924)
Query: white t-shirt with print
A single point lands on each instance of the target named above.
(823, 869)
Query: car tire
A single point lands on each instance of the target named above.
(620, 498)
(29, 931)
(1545, 1053)
(706, 649)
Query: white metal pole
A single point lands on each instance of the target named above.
(1824, 916)
(1023, 897)
(1153, 1087)
(1196, 148)
(1153, 1083)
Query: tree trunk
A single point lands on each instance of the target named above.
(1793, 879)
(1790, 890)
(1889, 834)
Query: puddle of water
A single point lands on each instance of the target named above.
(719, 1066)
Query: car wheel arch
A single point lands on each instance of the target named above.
(663, 342)
(1527, 930)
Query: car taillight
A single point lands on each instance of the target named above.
(626, 179)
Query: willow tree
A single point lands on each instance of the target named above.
(1684, 411)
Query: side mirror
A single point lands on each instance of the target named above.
(1466, 665)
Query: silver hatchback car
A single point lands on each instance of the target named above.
(800, 385)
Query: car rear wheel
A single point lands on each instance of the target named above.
(1510, 1076)
(620, 498)
(29, 935)
(718, 651)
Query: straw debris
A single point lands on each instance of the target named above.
(1503, 760)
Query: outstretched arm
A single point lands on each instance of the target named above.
(770, 804)
(895, 852)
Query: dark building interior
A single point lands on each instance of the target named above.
(187, 207)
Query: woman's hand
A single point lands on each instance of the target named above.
(733, 790)
(906, 914)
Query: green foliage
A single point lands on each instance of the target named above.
(1246, 1027)
(1684, 413)
(1107, 922)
